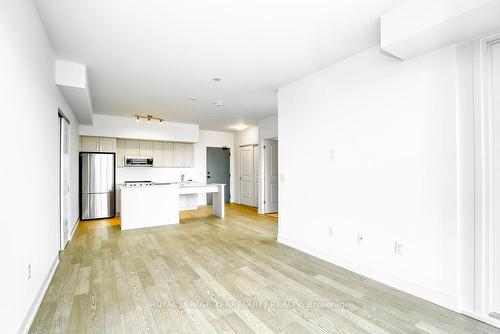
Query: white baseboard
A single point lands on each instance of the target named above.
(485, 319)
(74, 229)
(28, 320)
(437, 297)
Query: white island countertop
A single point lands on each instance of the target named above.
(158, 204)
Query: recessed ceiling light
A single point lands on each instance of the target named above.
(192, 98)
(216, 79)
(240, 127)
(219, 103)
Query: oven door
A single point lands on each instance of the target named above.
(138, 162)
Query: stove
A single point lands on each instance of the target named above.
(138, 183)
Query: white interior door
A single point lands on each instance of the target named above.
(64, 181)
(256, 176)
(494, 240)
(271, 176)
(246, 175)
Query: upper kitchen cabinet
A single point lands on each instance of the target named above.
(183, 155)
(107, 144)
(179, 154)
(89, 144)
(120, 153)
(164, 154)
(168, 154)
(158, 154)
(97, 144)
(132, 148)
(188, 155)
(145, 148)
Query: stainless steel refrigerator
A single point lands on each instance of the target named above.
(97, 185)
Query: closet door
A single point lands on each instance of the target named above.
(246, 175)
(256, 176)
(271, 176)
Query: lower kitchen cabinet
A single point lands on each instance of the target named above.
(188, 202)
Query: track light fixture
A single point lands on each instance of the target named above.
(148, 118)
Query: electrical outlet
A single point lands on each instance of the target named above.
(330, 231)
(398, 248)
(360, 238)
(29, 271)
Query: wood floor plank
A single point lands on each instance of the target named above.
(213, 275)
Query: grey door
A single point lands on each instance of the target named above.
(218, 170)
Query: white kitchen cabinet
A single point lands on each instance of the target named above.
(132, 148)
(164, 154)
(188, 155)
(168, 154)
(179, 154)
(192, 201)
(97, 144)
(188, 202)
(89, 144)
(107, 144)
(120, 152)
(145, 148)
(158, 154)
(182, 202)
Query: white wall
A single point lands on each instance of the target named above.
(127, 127)
(248, 136)
(268, 128)
(393, 128)
(197, 173)
(29, 137)
(74, 157)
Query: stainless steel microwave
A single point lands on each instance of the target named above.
(138, 162)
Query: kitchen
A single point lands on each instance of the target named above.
(140, 172)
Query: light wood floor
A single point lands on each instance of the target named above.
(211, 275)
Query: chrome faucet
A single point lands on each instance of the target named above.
(182, 177)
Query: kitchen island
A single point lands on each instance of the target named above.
(159, 204)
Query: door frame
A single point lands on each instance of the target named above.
(62, 118)
(479, 301)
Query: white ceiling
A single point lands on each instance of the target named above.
(148, 56)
